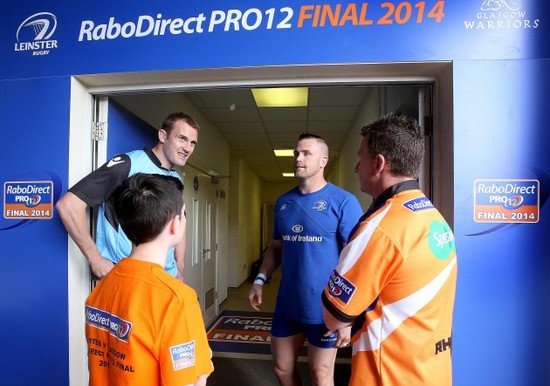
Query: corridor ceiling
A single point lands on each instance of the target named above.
(253, 133)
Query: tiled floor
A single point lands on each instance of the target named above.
(243, 372)
(255, 372)
(237, 298)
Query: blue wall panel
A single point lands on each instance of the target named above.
(33, 253)
(504, 286)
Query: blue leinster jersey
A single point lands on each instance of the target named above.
(313, 227)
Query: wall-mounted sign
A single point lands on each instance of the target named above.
(28, 200)
(506, 201)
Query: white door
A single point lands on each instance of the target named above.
(201, 252)
(207, 226)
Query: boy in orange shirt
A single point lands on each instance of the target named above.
(143, 326)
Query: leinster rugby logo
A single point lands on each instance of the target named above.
(320, 205)
(35, 32)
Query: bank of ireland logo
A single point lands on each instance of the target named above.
(441, 240)
(35, 34)
(297, 228)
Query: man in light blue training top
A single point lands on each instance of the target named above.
(312, 224)
(176, 142)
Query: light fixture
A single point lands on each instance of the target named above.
(280, 96)
(284, 152)
(288, 174)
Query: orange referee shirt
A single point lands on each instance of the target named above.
(397, 279)
(144, 327)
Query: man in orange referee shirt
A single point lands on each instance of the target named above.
(395, 281)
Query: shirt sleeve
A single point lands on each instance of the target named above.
(366, 264)
(184, 351)
(96, 187)
(276, 235)
(351, 212)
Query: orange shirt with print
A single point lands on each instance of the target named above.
(145, 327)
(397, 280)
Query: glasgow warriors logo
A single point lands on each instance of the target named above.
(503, 15)
(35, 32)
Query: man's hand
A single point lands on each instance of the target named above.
(179, 276)
(255, 296)
(344, 337)
(101, 267)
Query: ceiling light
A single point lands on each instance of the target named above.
(284, 152)
(280, 97)
(288, 174)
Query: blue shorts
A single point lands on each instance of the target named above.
(283, 327)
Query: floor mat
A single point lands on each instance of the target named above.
(247, 334)
(241, 334)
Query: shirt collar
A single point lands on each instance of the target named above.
(389, 193)
(153, 157)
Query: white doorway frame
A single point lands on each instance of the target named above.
(83, 88)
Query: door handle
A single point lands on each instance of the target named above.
(205, 254)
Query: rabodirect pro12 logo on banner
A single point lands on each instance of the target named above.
(35, 34)
(28, 200)
(506, 201)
